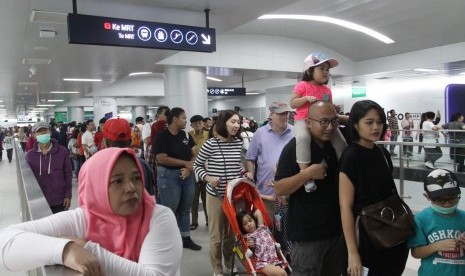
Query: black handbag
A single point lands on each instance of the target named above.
(388, 222)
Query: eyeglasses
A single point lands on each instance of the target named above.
(451, 200)
(325, 122)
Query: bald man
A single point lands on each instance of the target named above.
(314, 220)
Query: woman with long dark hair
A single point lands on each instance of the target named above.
(365, 178)
(223, 155)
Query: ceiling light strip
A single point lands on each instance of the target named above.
(339, 22)
(64, 92)
(140, 73)
(76, 79)
(214, 79)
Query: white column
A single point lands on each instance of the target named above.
(76, 113)
(186, 88)
(103, 106)
(139, 111)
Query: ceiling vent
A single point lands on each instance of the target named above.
(40, 61)
(23, 94)
(49, 17)
(47, 33)
(28, 83)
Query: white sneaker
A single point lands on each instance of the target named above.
(430, 165)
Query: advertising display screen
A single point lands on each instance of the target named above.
(226, 91)
(97, 30)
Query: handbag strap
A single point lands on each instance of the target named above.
(385, 159)
(394, 188)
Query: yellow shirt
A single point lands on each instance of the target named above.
(199, 139)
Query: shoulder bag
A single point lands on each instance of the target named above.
(389, 222)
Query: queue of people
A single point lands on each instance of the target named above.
(139, 185)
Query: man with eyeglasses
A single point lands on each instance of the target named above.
(264, 150)
(439, 240)
(314, 220)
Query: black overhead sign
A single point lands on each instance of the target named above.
(226, 91)
(97, 30)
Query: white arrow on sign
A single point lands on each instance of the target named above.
(206, 39)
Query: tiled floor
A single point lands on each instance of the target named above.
(194, 263)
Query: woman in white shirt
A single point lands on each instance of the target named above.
(432, 153)
(117, 230)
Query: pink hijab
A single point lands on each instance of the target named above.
(120, 235)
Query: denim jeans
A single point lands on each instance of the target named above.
(176, 194)
(391, 147)
(408, 149)
(77, 166)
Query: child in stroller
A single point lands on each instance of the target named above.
(258, 237)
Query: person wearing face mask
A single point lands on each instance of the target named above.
(51, 166)
(439, 239)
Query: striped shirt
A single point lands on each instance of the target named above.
(393, 124)
(224, 162)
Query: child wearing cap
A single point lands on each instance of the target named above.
(310, 89)
(439, 239)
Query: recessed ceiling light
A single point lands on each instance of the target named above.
(463, 73)
(252, 93)
(213, 79)
(40, 48)
(73, 79)
(64, 92)
(1, 101)
(339, 22)
(140, 73)
(425, 70)
(153, 107)
(45, 105)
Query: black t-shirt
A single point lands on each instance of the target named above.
(369, 173)
(176, 146)
(312, 216)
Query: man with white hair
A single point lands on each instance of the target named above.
(264, 150)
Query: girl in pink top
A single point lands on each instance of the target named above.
(310, 89)
(259, 239)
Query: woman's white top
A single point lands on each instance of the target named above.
(429, 136)
(36, 243)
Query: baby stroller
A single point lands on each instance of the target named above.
(241, 194)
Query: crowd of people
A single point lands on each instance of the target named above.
(139, 187)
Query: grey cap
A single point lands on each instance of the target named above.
(39, 125)
(279, 107)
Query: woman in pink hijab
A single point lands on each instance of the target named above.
(117, 230)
